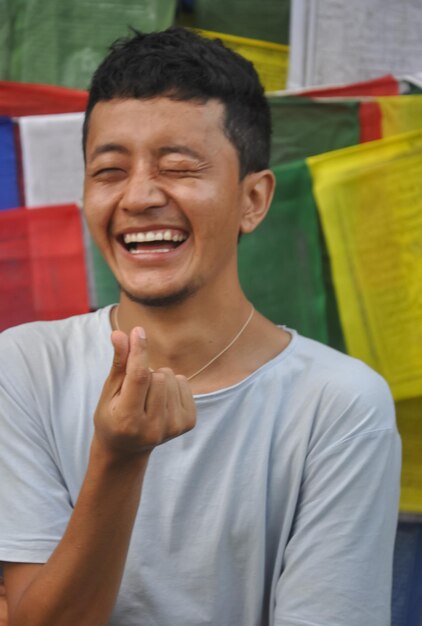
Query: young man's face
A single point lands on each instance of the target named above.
(162, 196)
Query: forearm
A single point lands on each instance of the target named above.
(80, 582)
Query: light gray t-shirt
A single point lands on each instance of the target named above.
(278, 509)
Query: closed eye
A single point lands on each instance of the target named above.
(108, 172)
(179, 172)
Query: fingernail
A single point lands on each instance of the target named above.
(141, 332)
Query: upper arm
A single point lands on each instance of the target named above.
(17, 578)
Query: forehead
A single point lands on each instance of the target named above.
(132, 121)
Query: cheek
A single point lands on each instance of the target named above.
(98, 210)
(210, 207)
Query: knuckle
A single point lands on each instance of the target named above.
(154, 434)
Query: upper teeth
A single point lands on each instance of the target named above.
(153, 235)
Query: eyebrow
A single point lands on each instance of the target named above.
(108, 147)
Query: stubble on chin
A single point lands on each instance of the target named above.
(169, 300)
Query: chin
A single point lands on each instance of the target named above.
(161, 300)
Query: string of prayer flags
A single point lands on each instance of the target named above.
(370, 202)
(42, 265)
(53, 168)
(305, 126)
(9, 188)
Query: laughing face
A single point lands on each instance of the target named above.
(163, 198)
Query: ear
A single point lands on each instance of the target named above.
(258, 193)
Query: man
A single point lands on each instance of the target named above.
(279, 506)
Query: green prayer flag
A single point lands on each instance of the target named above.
(267, 20)
(303, 127)
(62, 43)
(105, 285)
(280, 264)
(5, 25)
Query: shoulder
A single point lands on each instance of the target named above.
(353, 400)
(34, 346)
(326, 393)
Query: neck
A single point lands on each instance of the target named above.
(187, 336)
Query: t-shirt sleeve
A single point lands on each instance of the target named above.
(337, 566)
(34, 501)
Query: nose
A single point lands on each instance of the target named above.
(142, 192)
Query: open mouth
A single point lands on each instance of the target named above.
(162, 240)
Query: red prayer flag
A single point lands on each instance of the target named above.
(42, 265)
(18, 99)
(370, 118)
(382, 86)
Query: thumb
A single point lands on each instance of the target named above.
(117, 373)
(138, 376)
(137, 359)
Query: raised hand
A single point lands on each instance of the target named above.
(139, 409)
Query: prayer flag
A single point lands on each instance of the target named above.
(52, 158)
(31, 99)
(371, 209)
(386, 85)
(9, 188)
(62, 43)
(280, 264)
(303, 127)
(256, 19)
(42, 265)
(270, 59)
(409, 421)
(400, 114)
(370, 121)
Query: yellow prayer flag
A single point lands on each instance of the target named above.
(409, 419)
(270, 59)
(370, 202)
(400, 114)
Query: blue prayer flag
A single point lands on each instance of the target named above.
(9, 187)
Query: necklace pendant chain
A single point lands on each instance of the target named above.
(217, 356)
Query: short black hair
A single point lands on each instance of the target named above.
(182, 65)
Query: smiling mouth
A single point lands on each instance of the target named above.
(158, 241)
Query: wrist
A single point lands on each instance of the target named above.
(115, 459)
